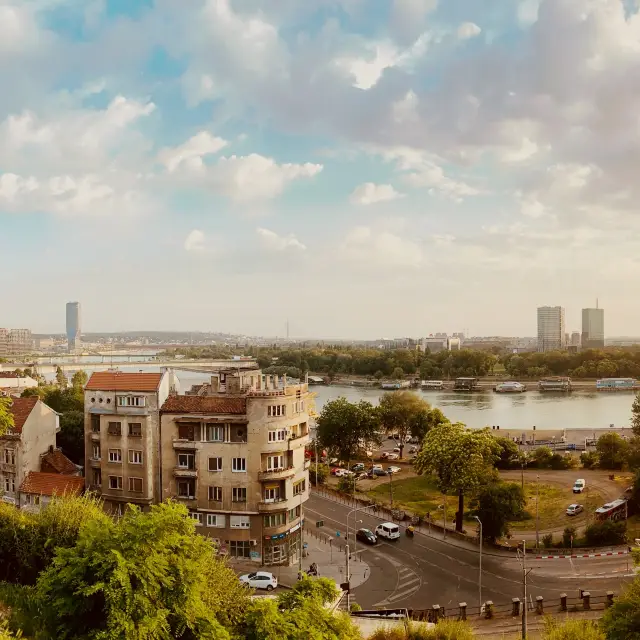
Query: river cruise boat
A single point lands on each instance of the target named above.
(617, 384)
(510, 387)
(560, 384)
(432, 385)
(466, 384)
(396, 386)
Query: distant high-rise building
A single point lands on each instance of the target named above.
(593, 328)
(73, 325)
(551, 333)
(575, 339)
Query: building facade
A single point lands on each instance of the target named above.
(122, 436)
(575, 339)
(33, 434)
(551, 328)
(15, 342)
(39, 488)
(73, 325)
(12, 381)
(235, 456)
(593, 328)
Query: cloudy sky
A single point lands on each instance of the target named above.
(364, 168)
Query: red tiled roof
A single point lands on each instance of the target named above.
(48, 484)
(120, 381)
(204, 404)
(21, 409)
(56, 462)
(9, 374)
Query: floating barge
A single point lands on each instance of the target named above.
(432, 385)
(617, 384)
(466, 384)
(510, 387)
(556, 384)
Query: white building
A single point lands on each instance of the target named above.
(551, 328)
(11, 380)
(592, 328)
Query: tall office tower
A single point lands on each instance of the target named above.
(73, 325)
(551, 333)
(593, 328)
(575, 339)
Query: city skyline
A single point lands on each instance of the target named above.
(410, 164)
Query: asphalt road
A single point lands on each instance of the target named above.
(422, 571)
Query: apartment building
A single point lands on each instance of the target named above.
(15, 342)
(234, 455)
(593, 328)
(122, 436)
(21, 450)
(551, 328)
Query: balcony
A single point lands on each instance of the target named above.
(95, 436)
(5, 466)
(184, 472)
(267, 506)
(187, 445)
(95, 462)
(277, 474)
(299, 441)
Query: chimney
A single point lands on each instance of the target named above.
(50, 448)
(215, 384)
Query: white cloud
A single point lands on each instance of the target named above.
(468, 30)
(195, 241)
(371, 193)
(192, 151)
(379, 248)
(366, 71)
(528, 12)
(273, 242)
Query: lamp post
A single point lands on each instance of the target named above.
(355, 511)
(480, 571)
(537, 512)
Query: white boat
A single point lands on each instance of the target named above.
(510, 387)
(432, 384)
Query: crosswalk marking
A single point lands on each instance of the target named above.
(408, 583)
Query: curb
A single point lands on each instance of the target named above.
(584, 555)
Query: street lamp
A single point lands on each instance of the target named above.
(537, 512)
(354, 517)
(480, 571)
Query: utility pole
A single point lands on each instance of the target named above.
(524, 590)
(346, 550)
(444, 508)
(390, 491)
(537, 512)
(480, 571)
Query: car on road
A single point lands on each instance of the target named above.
(358, 466)
(388, 530)
(377, 472)
(391, 470)
(579, 485)
(260, 580)
(393, 456)
(574, 509)
(366, 536)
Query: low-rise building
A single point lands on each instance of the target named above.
(54, 461)
(33, 433)
(10, 380)
(37, 489)
(234, 455)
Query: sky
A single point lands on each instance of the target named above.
(360, 168)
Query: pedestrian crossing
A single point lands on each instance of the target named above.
(408, 583)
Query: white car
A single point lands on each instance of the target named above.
(579, 486)
(394, 469)
(574, 509)
(396, 449)
(260, 580)
(393, 456)
(388, 530)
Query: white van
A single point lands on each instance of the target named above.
(579, 486)
(388, 530)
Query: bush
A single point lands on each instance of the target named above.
(354, 607)
(606, 533)
(561, 462)
(347, 484)
(589, 459)
(496, 505)
(568, 537)
(622, 620)
(323, 473)
(541, 458)
(547, 541)
(572, 630)
(444, 630)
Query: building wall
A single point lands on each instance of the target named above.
(551, 328)
(592, 328)
(17, 383)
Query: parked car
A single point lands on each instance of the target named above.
(377, 472)
(384, 455)
(388, 530)
(338, 472)
(396, 449)
(260, 580)
(574, 509)
(393, 456)
(393, 470)
(366, 536)
(413, 440)
(413, 449)
(358, 466)
(579, 485)
(362, 475)
(346, 472)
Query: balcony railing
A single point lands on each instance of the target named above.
(277, 474)
(95, 436)
(95, 462)
(187, 445)
(184, 472)
(272, 505)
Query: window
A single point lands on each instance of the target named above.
(238, 465)
(276, 410)
(299, 487)
(215, 494)
(96, 477)
(115, 482)
(239, 548)
(275, 462)
(115, 428)
(131, 401)
(278, 436)
(190, 432)
(115, 455)
(215, 464)
(95, 424)
(294, 514)
(215, 520)
(275, 520)
(272, 494)
(239, 494)
(135, 485)
(33, 499)
(135, 429)
(194, 515)
(9, 484)
(186, 489)
(135, 456)
(9, 456)
(186, 461)
(95, 452)
(239, 522)
(214, 433)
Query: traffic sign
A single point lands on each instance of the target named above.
(337, 534)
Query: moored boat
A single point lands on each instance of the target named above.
(510, 387)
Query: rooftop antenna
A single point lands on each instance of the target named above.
(596, 303)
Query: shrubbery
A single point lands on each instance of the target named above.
(607, 533)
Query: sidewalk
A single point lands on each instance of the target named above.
(330, 559)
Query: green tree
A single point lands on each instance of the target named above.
(378, 375)
(612, 451)
(70, 438)
(497, 504)
(423, 421)
(622, 620)
(343, 427)
(146, 576)
(600, 534)
(589, 459)
(79, 380)
(635, 415)
(509, 457)
(541, 458)
(398, 373)
(6, 416)
(459, 457)
(61, 378)
(404, 412)
(568, 537)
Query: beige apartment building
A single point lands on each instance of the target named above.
(235, 456)
(122, 436)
